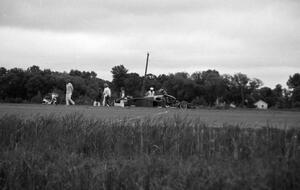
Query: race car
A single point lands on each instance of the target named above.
(162, 100)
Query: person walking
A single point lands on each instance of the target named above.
(106, 95)
(69, 91)
(98, 98)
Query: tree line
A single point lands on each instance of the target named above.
(31, 85)
(201, 88)
(206, 87)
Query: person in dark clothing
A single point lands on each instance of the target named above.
(122, 95)
(98, 98)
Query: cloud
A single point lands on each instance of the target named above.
(115, 15)
(255, 37)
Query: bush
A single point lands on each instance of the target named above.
(296, 104)
(37, 98)
(13, 100)
(85, 100)
(199, 101)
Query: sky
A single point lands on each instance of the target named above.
(259, 38)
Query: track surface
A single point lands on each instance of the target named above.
(247, 118)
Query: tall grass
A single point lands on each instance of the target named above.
(71, 152)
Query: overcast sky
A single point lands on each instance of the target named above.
(260, 38)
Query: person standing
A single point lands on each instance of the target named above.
(98, 98)
(151, 92)
(122, 95)
(106, 95)
(164, 99)
(69, 91)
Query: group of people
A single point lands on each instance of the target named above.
(102, 95)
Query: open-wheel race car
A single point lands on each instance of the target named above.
(162, 99)
(154, 101)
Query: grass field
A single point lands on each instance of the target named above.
(212, 117)
(82, 147)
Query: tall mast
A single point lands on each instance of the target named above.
(144, 81)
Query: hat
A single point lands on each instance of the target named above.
(151, 88)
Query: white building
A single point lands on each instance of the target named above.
(261, 104)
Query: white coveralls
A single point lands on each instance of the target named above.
(69, 91)
(106, 96)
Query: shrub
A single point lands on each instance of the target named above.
(199, 101)
(37, 98)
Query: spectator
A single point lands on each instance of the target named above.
(164, 99)
(151, 92)
(69, 91)
(122, 95)
(98, 98)
(106, 95)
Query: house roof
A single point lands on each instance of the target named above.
(260, 101)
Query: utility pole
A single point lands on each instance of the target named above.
(144, 81)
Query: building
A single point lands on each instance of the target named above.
(260, 104)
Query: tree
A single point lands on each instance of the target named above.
(179, 85)
(14, 84)
(151, 81)
(278, 91)
(75, 73)
(287, 98)
(93, 75)
(296, 97)
(34, 69)
(213, 85)
(197, 77)
(34, 85)
(119, 75)
(17, 85)
(268, 96)
(2, 71)
(162, 78)
(3, 83)
(294, 81)
(133, 84)
(240, 81)
(278, 95)
(255, 83)
(183, 75)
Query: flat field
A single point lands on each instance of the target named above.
(212, 117)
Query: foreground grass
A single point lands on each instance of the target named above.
(71, 152)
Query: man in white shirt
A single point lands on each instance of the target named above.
(151, 92)
(106, 95)
(69, 91)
